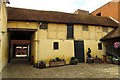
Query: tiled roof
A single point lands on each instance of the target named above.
(20, 14)
(113, 34)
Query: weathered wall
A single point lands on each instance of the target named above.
(21, 24)
(57, 31)
(93, 33)
(65, 51)
(0, 42)
(4, 38)
(34, 50)
(54, 33)
(93, 45)
(91, 38)
(42, 40)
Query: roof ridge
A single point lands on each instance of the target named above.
(40, 10)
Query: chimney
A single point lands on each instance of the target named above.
(83, 12)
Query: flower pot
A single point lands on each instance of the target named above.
(57, 63)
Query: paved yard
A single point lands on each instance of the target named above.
(82, 70)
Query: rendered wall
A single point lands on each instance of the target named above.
(91, 38)
(54, 33)
(0, 42)
(34, 43)
(93, 45)
(27, 25)
(65, 51)
(21, 24)
(94, 32)
(57, 31)
(4, 36)
(42, 40)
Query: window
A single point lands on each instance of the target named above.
(99, 46)
(99, 27)
(85, 27)
(105, 29)
(70, 31)
(44, 26)
(55, 46)
(98, 14)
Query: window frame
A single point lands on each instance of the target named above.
(70, 31)
(55, 45)
(85, 27)
(44, 25)
(100, 47)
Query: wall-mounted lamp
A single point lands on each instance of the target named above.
(27, 23)
(40, 23)
(7, 1)
(3, 31)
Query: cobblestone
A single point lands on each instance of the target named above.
(82, 70)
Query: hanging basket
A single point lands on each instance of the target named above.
(117, 45)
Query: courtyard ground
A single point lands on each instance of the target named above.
(22, 69)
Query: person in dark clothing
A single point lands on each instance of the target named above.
(88, 53)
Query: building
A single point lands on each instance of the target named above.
(110, 9)
(44, 35)
(109, 42)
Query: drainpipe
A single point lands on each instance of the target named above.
(38, 42)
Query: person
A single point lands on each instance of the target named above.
(88, 53)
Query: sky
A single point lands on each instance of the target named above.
(68, 6)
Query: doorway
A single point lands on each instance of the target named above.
(20, 44)
(21, 51)
(79, 50)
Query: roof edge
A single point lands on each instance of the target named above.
(100, 7)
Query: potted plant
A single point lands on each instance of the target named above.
(73, 61)
(57, 62)
(40, 64)
(104, 58)
(97, 59)
(110, 59)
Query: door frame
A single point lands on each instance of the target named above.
(79, 54)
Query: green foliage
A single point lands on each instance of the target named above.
(56, 59)
(73, 61)
(110, 57)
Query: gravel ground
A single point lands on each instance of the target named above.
(82, 70)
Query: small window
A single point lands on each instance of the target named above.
(55, 46)
(99, 27)
(105, 29)
(44, 26)
(85, 27)
(99, 46)
(70, 31)
(98, 14)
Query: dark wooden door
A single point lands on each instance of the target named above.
(79, 50)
